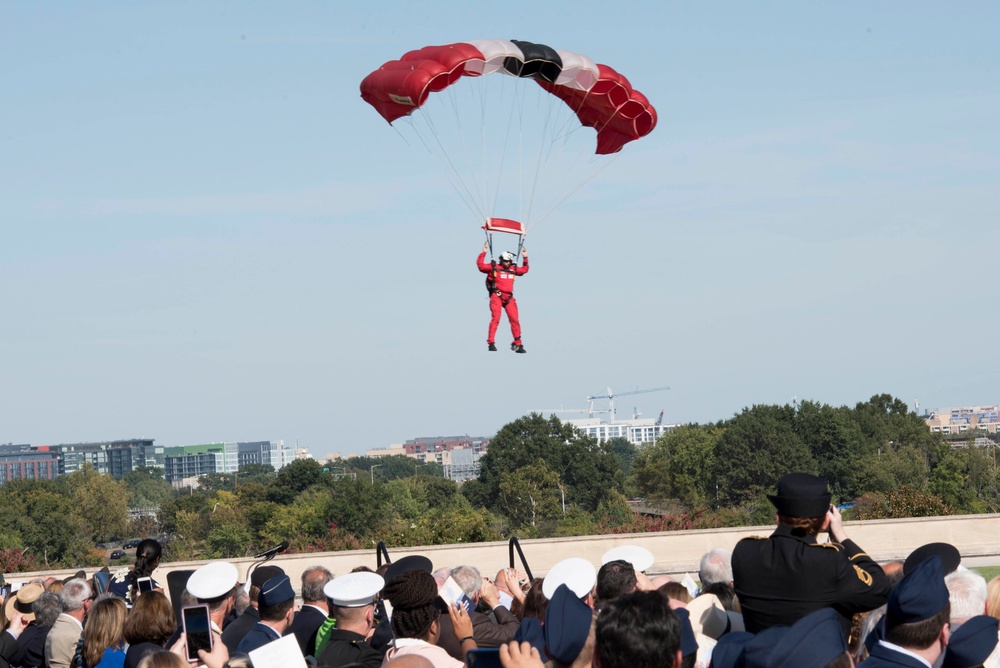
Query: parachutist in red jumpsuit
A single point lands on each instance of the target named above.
(500, 283)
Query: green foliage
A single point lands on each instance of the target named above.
(836, 442)
(40, 518)
(529, 495)
(624, 452)
(255, 473)
(386, 469)
(694, 477)
(587, 470)
(758, 446)
(904, 502)
(147, 488)
(101, 501)
(680, 465)
(294, 479)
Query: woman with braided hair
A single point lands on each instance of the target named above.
(124, 583)
(415, 611)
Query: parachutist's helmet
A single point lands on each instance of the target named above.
(506, 256)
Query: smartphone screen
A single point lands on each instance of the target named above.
(488, 657)
(144, 585)
(5, 591)
(198, 630)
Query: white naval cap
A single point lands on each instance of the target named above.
(354, 590)
(639, 557)
(576, 573)
(212, 580)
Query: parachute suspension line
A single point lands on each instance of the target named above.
(414, 124)
(454, 176)
(605, 165)
(536, 175)
(466, 153)
(498, 178)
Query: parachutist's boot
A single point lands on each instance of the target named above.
(492, 348)
(518, 348)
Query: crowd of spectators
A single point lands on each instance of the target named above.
(793, 599)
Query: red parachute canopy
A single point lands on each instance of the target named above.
(600, 97)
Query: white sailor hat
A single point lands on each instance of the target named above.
(576, 573)
(639, 557)
(354, 590)
(212, 580)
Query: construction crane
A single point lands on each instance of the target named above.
(610, 396)
(589, 411)
(659, 420)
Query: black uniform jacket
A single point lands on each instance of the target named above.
(305, 625)
(788, 575)
(236, 630)
(348, 647)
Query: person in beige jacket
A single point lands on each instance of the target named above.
(60, 644)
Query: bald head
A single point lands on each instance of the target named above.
(410, 661)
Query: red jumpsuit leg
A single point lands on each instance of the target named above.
(494, 317)
(515, 324)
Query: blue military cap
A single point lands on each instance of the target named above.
(567, 625)
(689, 644)
(757, 652)
(919, 596)
(812, 642)
(972, 643)
(262, 574)
(950, 557)
(728, 652)
(275, 591)
(531, 631)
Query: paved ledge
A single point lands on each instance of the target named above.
(977, 537)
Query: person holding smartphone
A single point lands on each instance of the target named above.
(130, 582)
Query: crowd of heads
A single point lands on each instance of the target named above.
(615, 615)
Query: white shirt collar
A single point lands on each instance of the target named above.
(903, 650)
(75, 620)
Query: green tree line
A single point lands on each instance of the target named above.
(540, 478)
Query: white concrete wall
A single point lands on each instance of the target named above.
(977, 537)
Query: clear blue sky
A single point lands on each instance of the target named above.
(207, 235)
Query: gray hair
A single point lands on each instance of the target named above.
(74, 594)
(468, 578)
(314, 579)
(716, 566)
(967, 593)
(47, 608)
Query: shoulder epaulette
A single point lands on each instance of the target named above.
(755, 538)
(832, 546)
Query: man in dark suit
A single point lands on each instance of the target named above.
(236, 630)
(496, 628)
(916, 621)
(8, 638)
(314, 609)
(31, 644)
(275, 606)
(784, 577)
